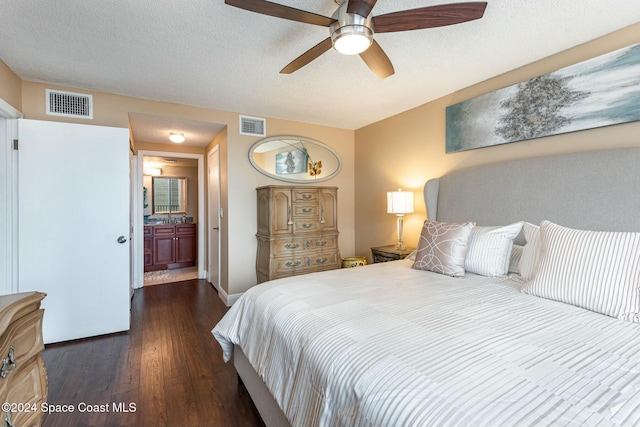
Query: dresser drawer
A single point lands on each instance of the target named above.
(23, 339)
(302, 225)
(305, 195)
(302, 210)
(28, 390)
(298, 246)
(314, 261)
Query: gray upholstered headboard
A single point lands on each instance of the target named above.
(594, 190)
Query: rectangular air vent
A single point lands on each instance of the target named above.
(69, 104)
(253, 126)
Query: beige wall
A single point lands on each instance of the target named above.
(408, 149)
(238, 178)
(10, 87)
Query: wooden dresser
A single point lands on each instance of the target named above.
(23, 376)
(297, 231)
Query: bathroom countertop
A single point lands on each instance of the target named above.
(168, 223)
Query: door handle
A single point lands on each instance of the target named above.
(216, 228)
(122, 239)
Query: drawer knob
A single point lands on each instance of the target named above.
(7, 363)
(307, 226)
(291, 264)
(292, 246)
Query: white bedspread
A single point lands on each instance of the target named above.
(386, 345)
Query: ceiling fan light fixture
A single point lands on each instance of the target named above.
(352, 39)
(176, 137)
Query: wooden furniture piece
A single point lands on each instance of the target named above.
(23, 376)
(297, 231)
(169, 246)
(389, 253)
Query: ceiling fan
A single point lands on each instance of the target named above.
(352, 27)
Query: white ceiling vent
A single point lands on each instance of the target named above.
(253, 126)
(69, 104)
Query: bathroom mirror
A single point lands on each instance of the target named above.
(294, 159)
(169, 195)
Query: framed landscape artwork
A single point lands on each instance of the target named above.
(598, 92)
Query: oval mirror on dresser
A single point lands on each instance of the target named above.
(295, 159)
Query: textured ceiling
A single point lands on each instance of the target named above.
(156, 129)
(205, 53)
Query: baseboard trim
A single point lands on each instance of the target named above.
(227, 299)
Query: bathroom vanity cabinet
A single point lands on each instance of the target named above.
(169, 246)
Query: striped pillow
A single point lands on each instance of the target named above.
(531, 252)
(489, 249)
(596, 270)
(514, 259)
(442, 247)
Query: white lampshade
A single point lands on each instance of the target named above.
(399, 202)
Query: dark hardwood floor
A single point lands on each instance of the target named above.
(166, 371)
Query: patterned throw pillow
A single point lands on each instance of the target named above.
(442, 247)
(596, 270)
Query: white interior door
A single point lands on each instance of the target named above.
(214, 217)
(73, 203)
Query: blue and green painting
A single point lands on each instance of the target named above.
(602, 91)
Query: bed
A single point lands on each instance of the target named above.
(509, 343)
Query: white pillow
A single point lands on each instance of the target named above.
(531, 252)
(489, 249)
(596, 270)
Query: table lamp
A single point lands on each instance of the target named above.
(399, 203)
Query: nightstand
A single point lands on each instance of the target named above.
(390, 253)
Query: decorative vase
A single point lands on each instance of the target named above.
(354, 261)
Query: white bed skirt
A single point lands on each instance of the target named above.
(265, 404)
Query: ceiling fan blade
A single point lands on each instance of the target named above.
(429, 17)
(281, 11)
(377, 61)
(308, 56)
(361, 7)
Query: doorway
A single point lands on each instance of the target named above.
(174, 164)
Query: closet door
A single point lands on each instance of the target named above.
(73, 190)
